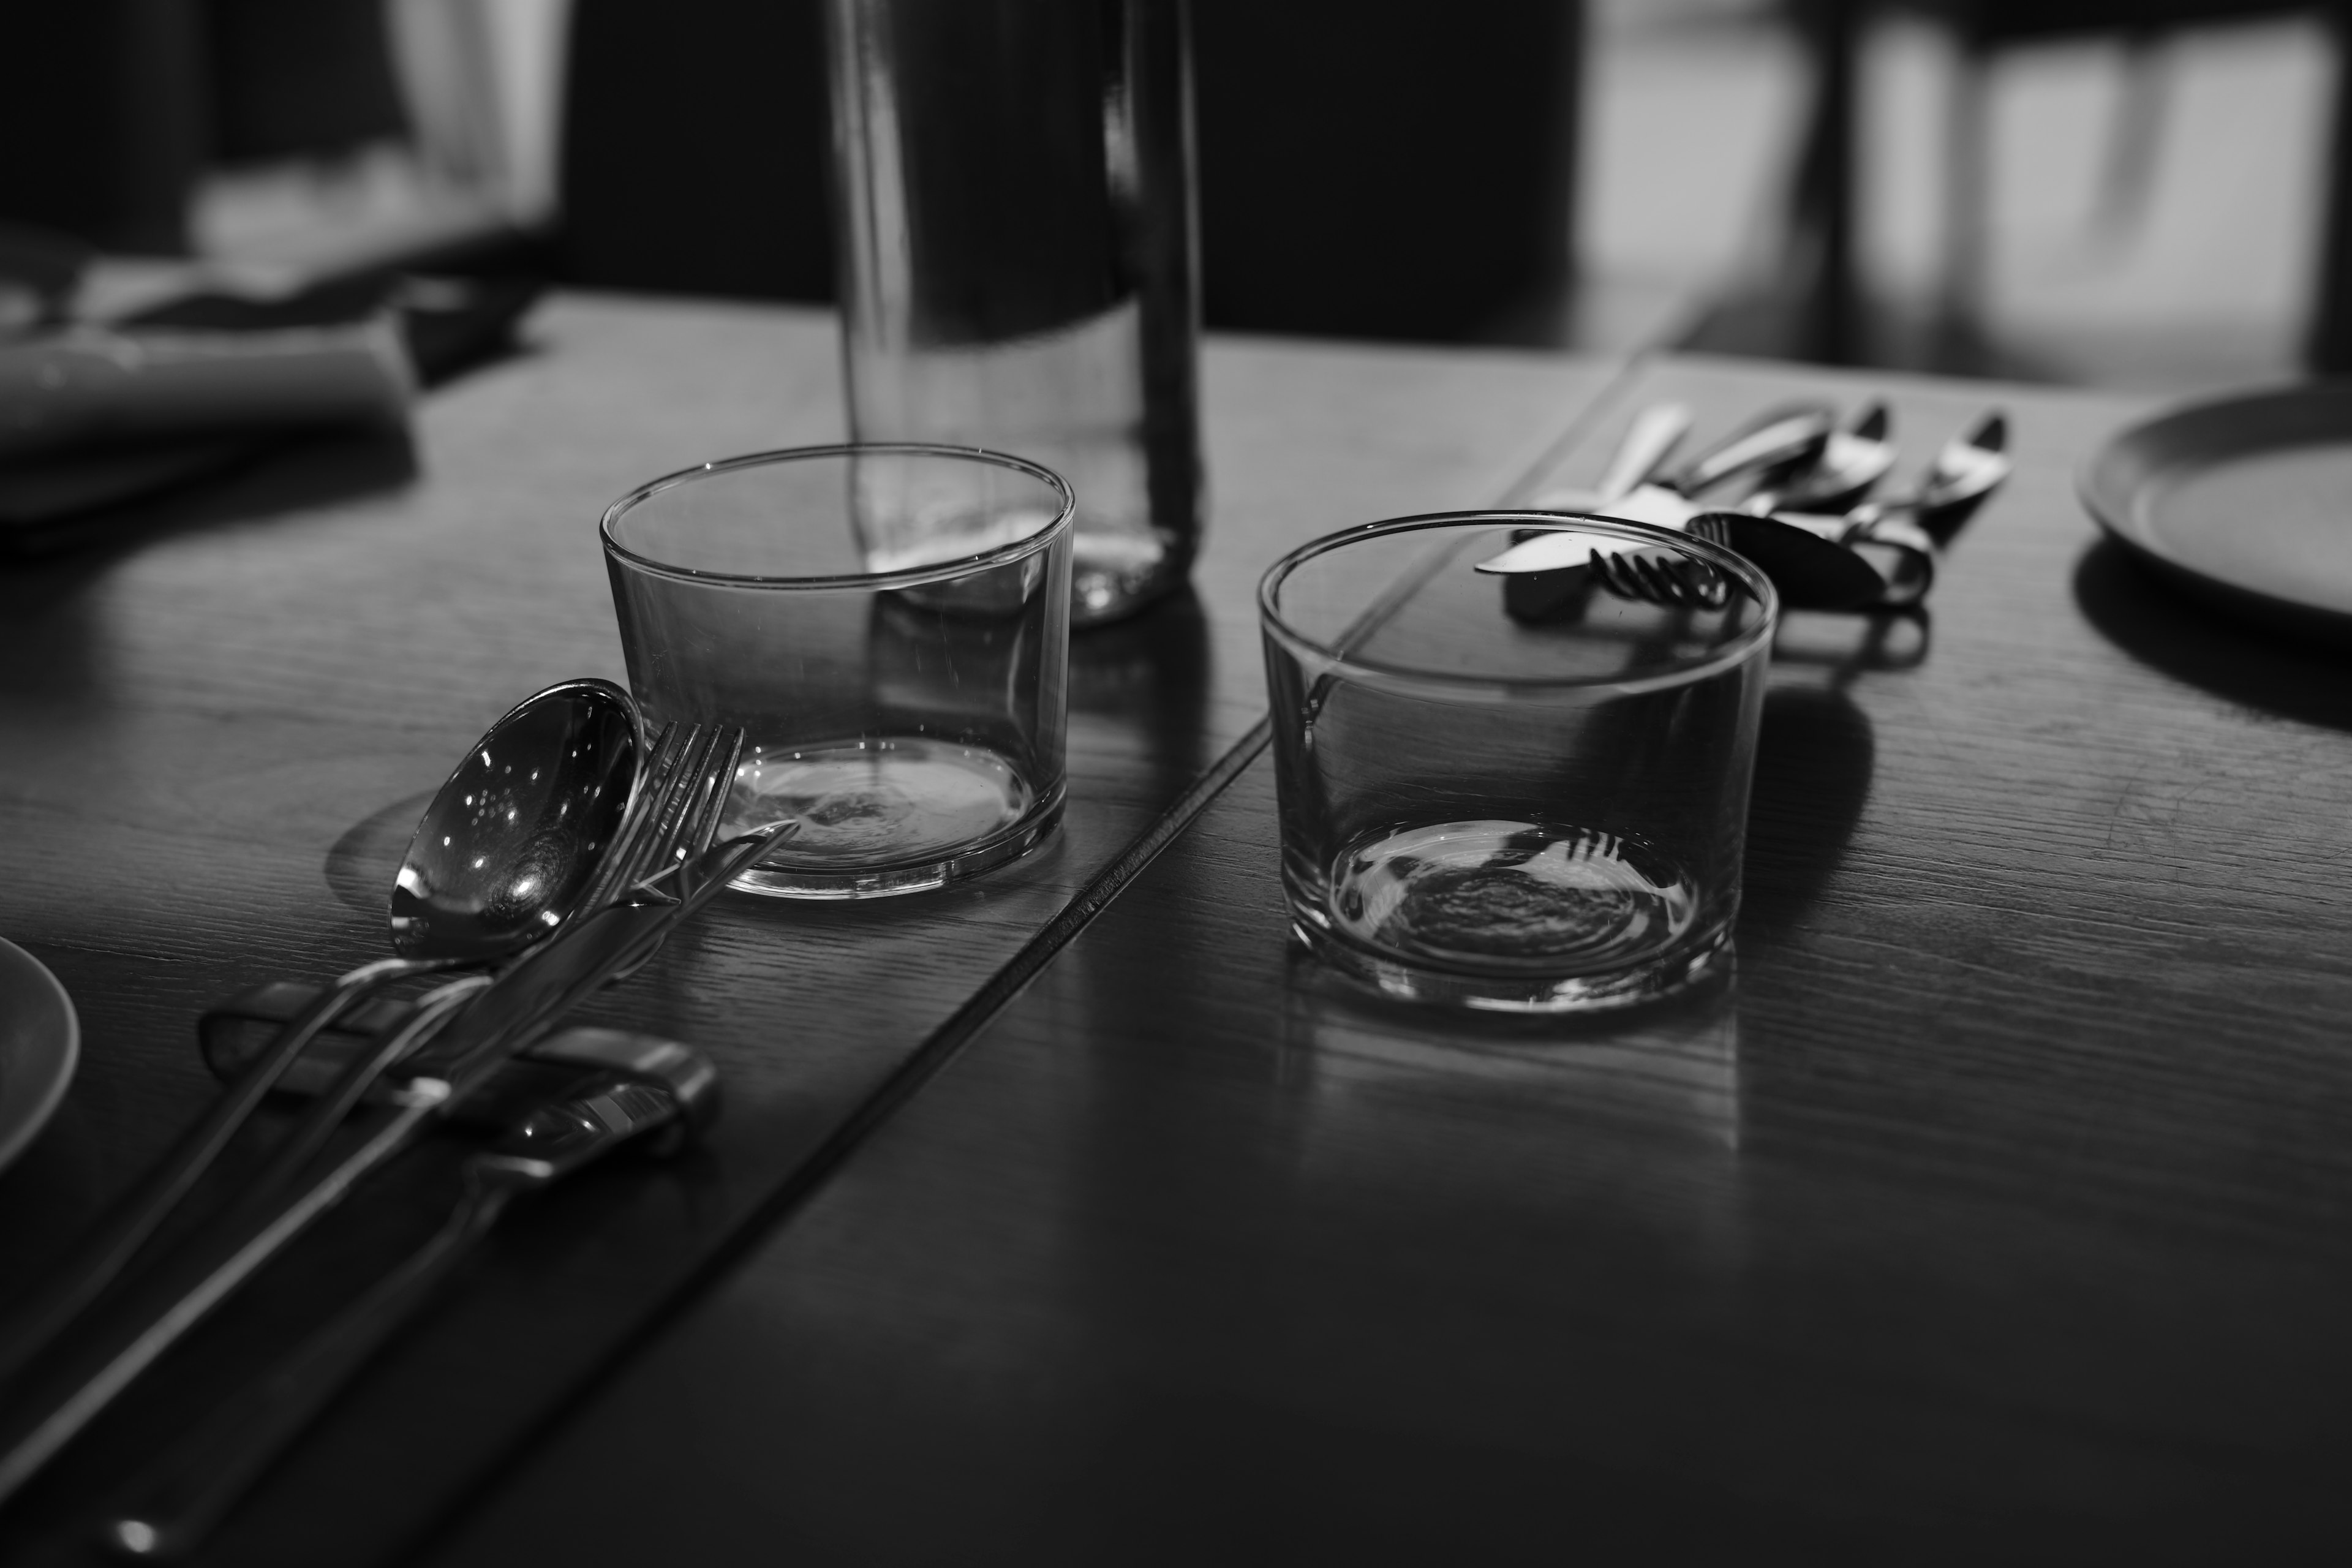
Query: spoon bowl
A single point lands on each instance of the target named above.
(1971, 466)
(513, 839)
(1852, 460)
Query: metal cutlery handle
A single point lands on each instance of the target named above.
(34, 1327)
(1781, 439)
(1902, 553)
(1653, 435)
(235, 1030)
(99, 1262)
(514, 1010)
(179, 1501)
(200, 1480)
(1660, 577)
(681, 802)
(97, 1380)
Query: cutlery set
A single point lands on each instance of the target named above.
(1807, 519)
(557, 860)
(651, 1090)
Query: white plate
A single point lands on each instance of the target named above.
(39, 1040)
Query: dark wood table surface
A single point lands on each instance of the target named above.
(1996, 1209)
(216, 734)
(1996, 1212)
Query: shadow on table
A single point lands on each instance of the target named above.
(1140, 693)
(52, 1189)
(1630, 1118)
(362, 864)
(1814, 764)
(229, 480)
(52, 648)
(2167, 630)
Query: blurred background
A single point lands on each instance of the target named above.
(2136, 194)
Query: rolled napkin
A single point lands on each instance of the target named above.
(90, 386)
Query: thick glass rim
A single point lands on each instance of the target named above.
(1732, 653)
(904, 577)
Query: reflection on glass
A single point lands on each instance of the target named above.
(1504, 815)
(905, 710)
(1631, 1118)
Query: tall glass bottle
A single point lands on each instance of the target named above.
(1014, 216)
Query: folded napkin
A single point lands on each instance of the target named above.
(91, 387)
(94, 420)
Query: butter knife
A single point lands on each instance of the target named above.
(664, 1089)
(511, 1012)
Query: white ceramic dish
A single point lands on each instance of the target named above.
(39, 1041)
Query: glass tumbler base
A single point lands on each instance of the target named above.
(880, 816)
(1641, 979)
(794, 882)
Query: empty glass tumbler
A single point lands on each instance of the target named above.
(1521, 802)
(890, 626)
(1013, 237)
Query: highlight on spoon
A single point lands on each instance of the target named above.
(513, 839)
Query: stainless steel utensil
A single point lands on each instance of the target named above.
(1813, 570)
(1775, 442)
(1878, 555)
(1632, 489)
(657, 1088)
(684, 801)
(33, 1443)
(1852, 461)
(1898, 538)
(497, 861)
(521, 1004)
(1660, 577)
(1649, 441)
(1968, 469)
(1772, 444)
(1810, 568)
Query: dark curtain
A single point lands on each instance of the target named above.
(1374, 168)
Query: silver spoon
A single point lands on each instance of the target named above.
(1634, 491)
(1970, 467)
(1809, 567)
(1879, 554)
(1852, 460)
(1774, 443)
(1899, 537)
(1649, 441)
(503, 855)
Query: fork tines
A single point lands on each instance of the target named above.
(690, 796)
(681, 795)
(705, 782)
(1662, 577)
(628, 844)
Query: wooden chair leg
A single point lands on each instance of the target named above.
(1965, 275)
(2327, 347)
(1820, 241)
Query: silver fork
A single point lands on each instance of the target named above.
(683, 821)
(1662, 577)
(32, 1326)
(682, 756)
(688, 795)
(173, 1507)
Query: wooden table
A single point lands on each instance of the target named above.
(1997, 1209)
